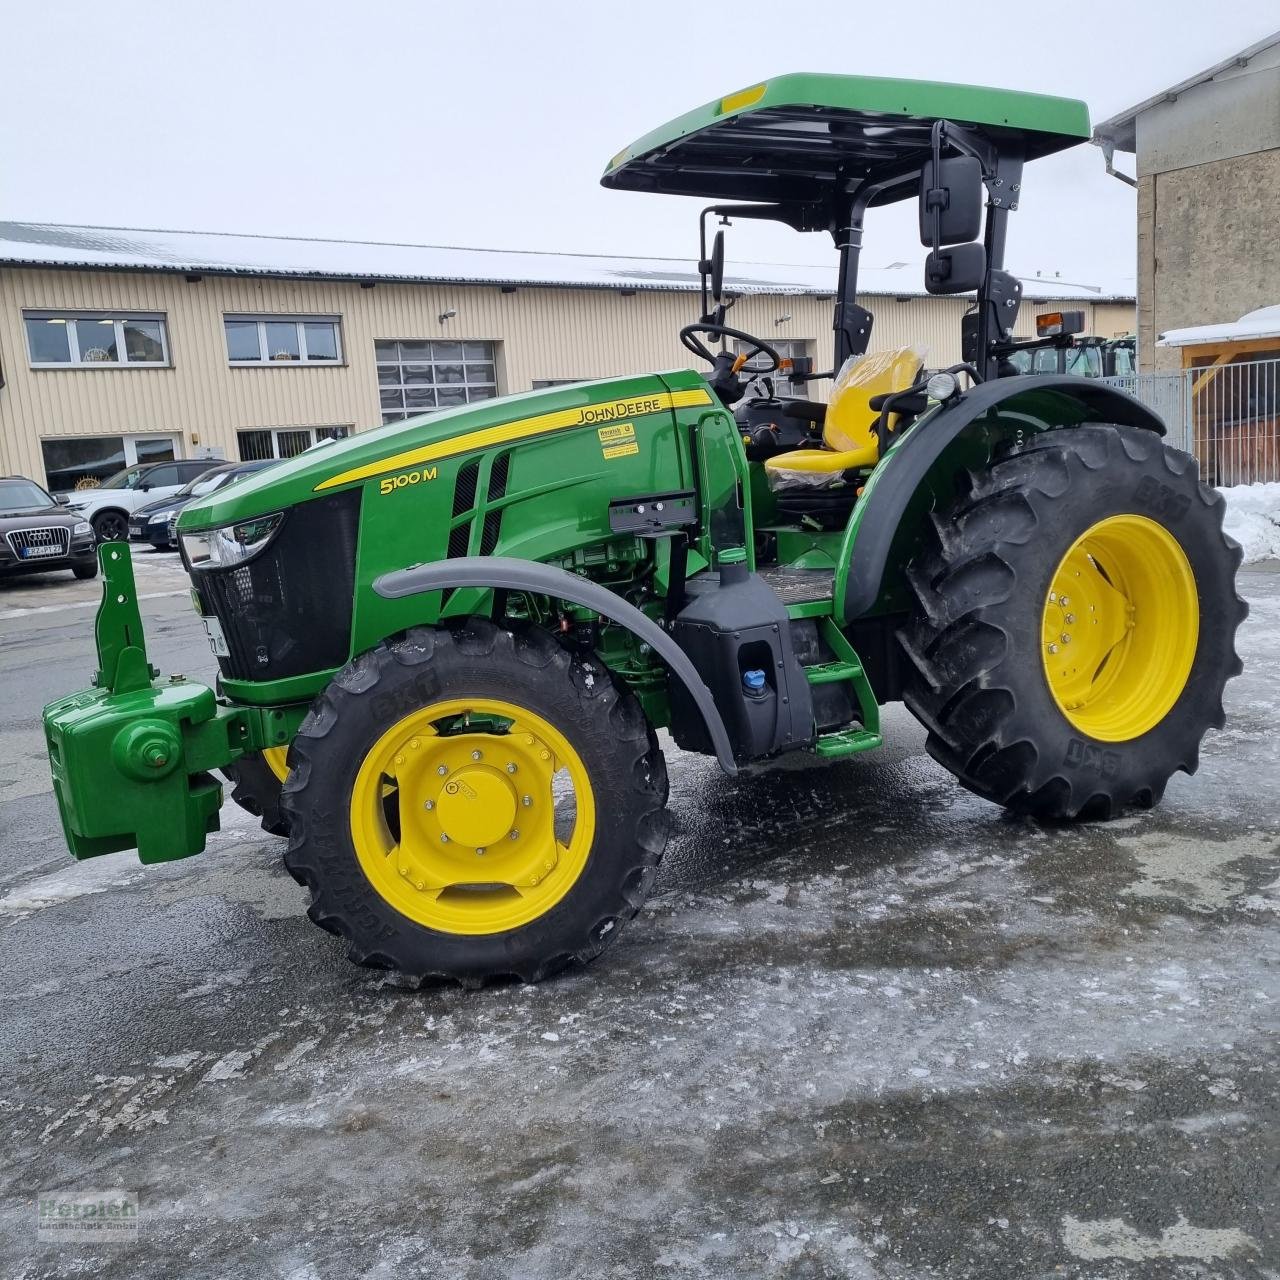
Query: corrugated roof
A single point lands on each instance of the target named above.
(32, 244)
(1119, 129)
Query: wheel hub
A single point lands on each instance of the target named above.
(476, 807)
(465, 820)
(1120, 627)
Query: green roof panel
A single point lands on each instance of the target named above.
(796, 138)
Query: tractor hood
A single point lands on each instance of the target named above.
(432, 437)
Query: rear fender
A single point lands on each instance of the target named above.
(504, 573)
(920, 471)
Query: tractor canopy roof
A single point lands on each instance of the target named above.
(799, 139)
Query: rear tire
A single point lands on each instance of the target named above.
(393, 870)
(85, 572)
(1018, 716)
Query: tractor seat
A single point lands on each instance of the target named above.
(848, 433)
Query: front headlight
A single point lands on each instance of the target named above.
(232, 544)
(160, 517)
(81, 527)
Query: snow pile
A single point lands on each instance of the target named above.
(1253, 519)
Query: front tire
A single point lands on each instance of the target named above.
(1075, 624)
(475, 804)
(256, 784)
(85, 571)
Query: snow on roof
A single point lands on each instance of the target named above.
(1263, 323)
(30, 244)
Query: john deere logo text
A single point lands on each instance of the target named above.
(594, 413)
(406, 478)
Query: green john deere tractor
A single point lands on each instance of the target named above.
(446, 646)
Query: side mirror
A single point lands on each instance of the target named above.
(957, 270)
(950, 201)
(62, 499)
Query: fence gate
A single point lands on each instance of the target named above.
(1228, 415)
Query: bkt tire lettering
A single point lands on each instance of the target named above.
(1090, 759)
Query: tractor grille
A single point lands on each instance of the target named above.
(287, 611)
(38, 541)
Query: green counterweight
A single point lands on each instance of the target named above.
(131, 757)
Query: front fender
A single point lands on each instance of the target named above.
(882, 530)
(505, 573)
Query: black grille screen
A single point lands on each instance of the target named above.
(288, 611)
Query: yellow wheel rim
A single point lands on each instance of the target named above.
(472, 816)
(1120, 627)
(277, 759)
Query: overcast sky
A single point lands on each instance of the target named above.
(489, 124)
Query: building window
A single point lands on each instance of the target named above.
(419, 376)
(283, 339)
(284, 442)
(788, 349)
(81, 462)
(62, 339)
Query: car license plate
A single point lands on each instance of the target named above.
(30, 553)
(217, 641)
(135, 531)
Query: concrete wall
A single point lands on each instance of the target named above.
(1208, 247)
(541, 333)
(1208, 193)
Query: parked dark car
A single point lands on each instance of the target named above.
(38, 534)
(154, 522)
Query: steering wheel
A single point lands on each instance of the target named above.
(691, 342)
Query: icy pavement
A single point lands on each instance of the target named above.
(868, 1026)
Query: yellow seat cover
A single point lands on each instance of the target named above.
(848, 433)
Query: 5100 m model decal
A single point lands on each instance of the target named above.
(521, 429)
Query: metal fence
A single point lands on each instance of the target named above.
(1227, 414)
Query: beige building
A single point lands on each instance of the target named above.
(119, 346)
(1208, 179)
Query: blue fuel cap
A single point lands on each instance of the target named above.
(753, 681)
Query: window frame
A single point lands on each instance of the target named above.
(72, 317)
(299, 322)
(341, 431)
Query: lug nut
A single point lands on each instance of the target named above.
(480, 852)
(1053, 648)
(444, 839)
(1071, 617)
(526, 801)
(420, 885)
(1064, 601)
(510, 767)
(1066, 639)
(442, 770)
(428, 804)
(475, 755)
(515, 835)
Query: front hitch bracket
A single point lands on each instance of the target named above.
(132, 757)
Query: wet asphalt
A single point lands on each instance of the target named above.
(867, 1026)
